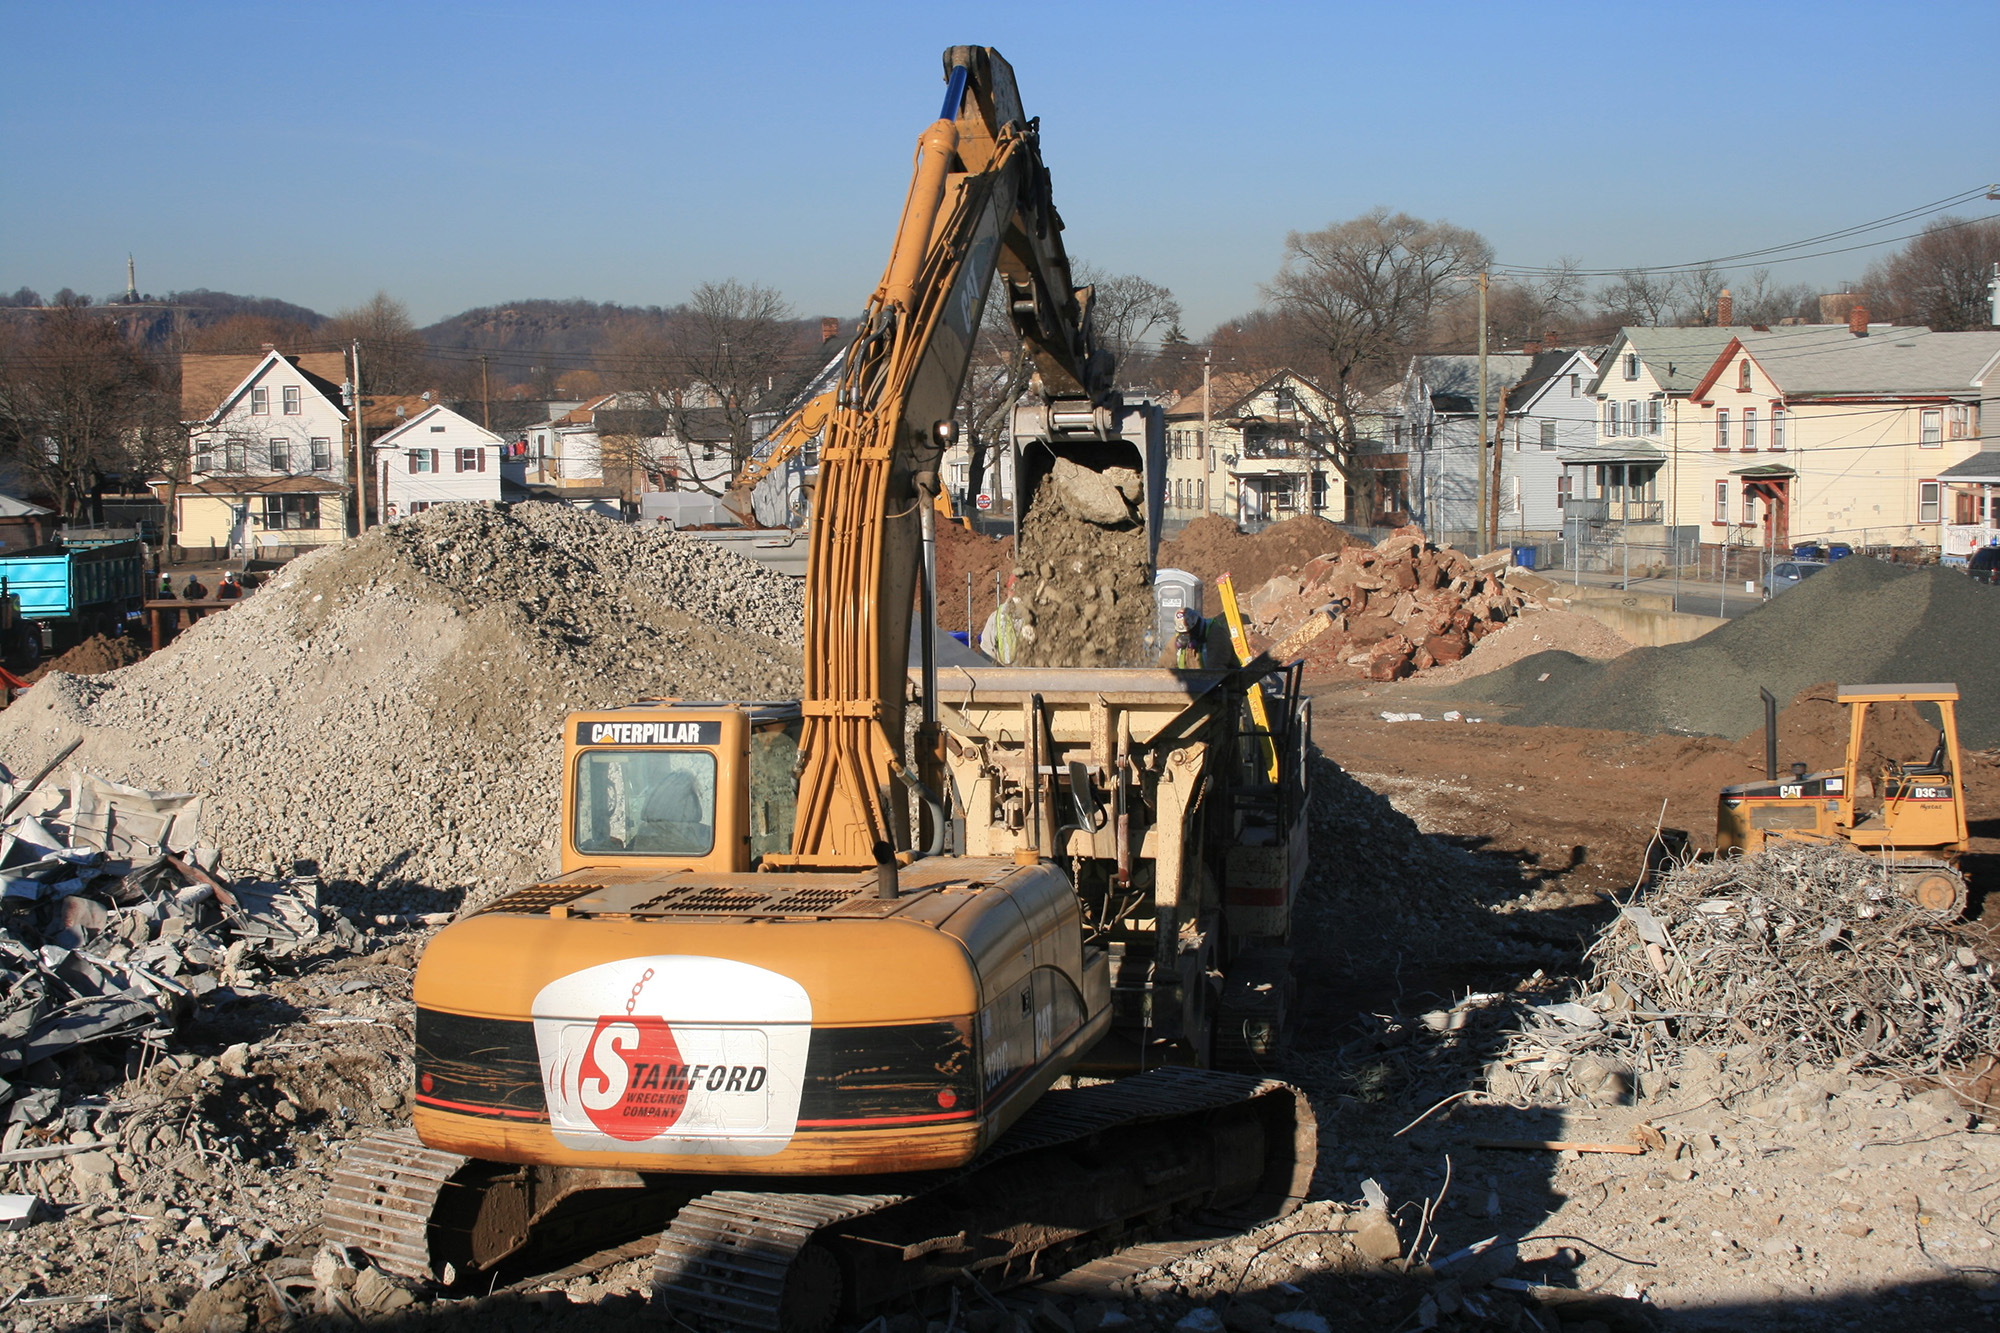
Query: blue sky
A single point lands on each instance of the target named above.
(460, 155)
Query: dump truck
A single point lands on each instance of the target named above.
(67, 593)
(812, 992)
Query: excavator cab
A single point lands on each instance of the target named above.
(1910, 814)
(666, 785)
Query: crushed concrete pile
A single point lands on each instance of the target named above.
(389, 708)
(1860, 621)
(1397, 607)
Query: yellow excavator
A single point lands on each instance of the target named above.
(816, 1042)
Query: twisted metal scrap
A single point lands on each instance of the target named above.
(1802, 946)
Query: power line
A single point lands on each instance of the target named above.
(1774, 254)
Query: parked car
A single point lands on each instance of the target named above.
(1789, 574)
(1984, 566)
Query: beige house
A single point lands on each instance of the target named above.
(268, 437)
(1831, 433)
(1254, 450)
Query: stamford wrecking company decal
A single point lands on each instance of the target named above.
(673, 1054)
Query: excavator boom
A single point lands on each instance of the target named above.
(978, 203)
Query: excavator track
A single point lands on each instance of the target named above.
(382, 1197)
(1052, 1189)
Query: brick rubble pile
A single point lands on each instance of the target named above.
(1398, 607)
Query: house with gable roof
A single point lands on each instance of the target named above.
(268, 437)
(1548, 412)
(1440, 424)
(1260, 450)
(435, 457)
(1835, 433)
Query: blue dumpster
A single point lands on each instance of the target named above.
(1524, 556)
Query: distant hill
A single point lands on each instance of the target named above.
(578, 328)
(207, 307)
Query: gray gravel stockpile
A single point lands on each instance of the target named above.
(1860, 622)
(391, 707)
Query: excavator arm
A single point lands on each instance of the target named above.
(978, 203)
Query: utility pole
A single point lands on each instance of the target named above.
(360, 450)
(1207, 438)
(1993, 285)
(1482, 414)
(485, 396)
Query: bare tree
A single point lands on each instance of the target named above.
(71, 388)
(1365, 291)
(1637, 297)
(725, 350)
(393, 358)
(1939, 278)
(994, 381)
(1696, 296)
(1124, 309)
(1759, 301)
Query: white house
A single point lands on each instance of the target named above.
(1440, 417)
(269, 436)
(436, 457)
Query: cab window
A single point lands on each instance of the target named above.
(774, 788)
(645, 802)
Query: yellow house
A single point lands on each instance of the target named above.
(1830, 433)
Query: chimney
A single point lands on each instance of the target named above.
(1532, 347)
(829, 328)
(1552, 340)
(1725, 310)
(1857, 321)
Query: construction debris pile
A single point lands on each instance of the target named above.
(114, 924)
(1399, 606)
(390, 708)
(1805, 947)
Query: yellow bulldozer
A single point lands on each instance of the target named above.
(1910, 814)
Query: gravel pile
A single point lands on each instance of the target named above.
(1861, 621)
(390, 708)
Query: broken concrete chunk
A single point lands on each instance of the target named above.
(1096, 497)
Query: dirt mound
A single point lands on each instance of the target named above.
(390, 707)
(1861, 621)
(93, 657)
(1211, 546)
(960, 553)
